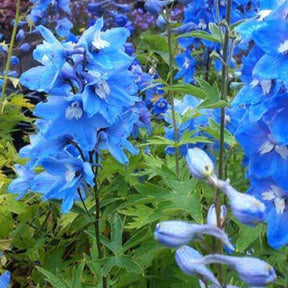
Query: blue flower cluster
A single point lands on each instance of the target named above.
(45, 12)
(246, 208)
(197, 16)
(262, 130)
(92, 105)
(114, 13)
(189, 118)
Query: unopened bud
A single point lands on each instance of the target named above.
(199, 163)
(212, 217)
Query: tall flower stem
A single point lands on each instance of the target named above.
(97, 216)
(224, 91)
(171, 92)
(10, 52)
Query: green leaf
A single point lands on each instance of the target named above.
(124, 262)
(200, 34)
(187, 89)
(216, 31)
(76, 276)
(53, 279)
(115, 243)
(214, 130)
(158, 140)
(212, 91)
(234, 25)
(116, 234)
(247, 236)
(188, 138)
(208, 105)
(137, 239)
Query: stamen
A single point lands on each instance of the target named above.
(102, 89)
(73, 111)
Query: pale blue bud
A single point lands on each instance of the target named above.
(199, 163)
(177, 233)
(246, 208)
(184, 257)
(251, 271)
(160, 22)
(212, 217)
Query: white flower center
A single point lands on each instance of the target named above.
(263, 14)
(74, 111)
(186, 63)
(269, 145)
(45, 60)
(98, 42)
(283, 48)
(202, 24)
(70, 173)
(275, 195)
(266, 147)
(266, 86)
(102, 89)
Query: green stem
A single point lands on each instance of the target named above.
(10, 52)
(224, 90)
(171, 93)
(97, 217)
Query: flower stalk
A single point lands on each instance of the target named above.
(10, 52)
(223, 95)
(171, 92)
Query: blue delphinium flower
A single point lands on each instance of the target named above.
(71, 176)
(197, 118)
(187, 66)
(92, 106)
(262, 130)
(40, 8)
(63, 27)
(275, 199)
(160, 106)
(24, 181)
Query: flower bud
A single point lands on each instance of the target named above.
(161, 23)
(199, 163)
(246, 208)
(20, 35)
(252, 271)
(14, 60)
(212, 217)
(25, 47)
(177, 233)
(155, 7)
(184, 257)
